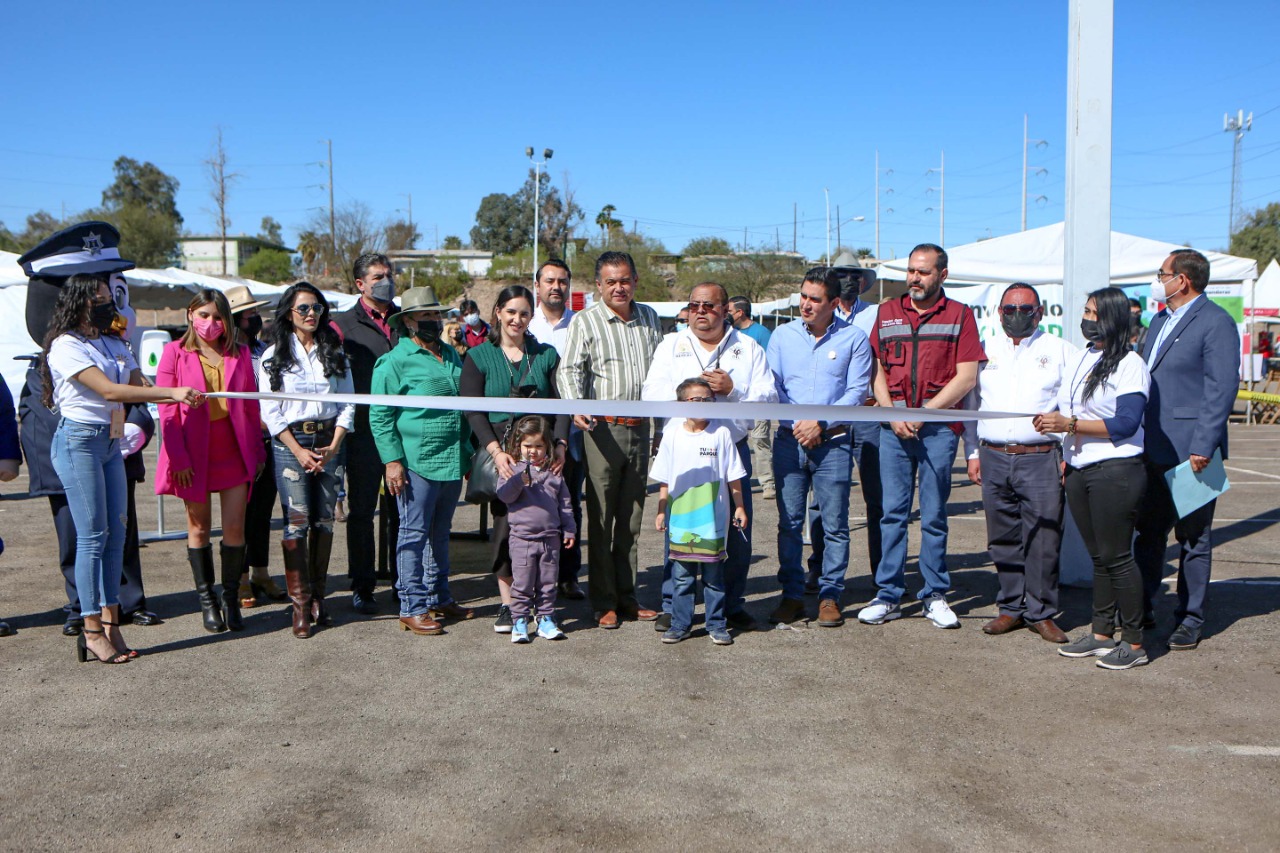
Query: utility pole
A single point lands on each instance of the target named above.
(537, 186)
(744, 239)
(827, 196)
(1239, 125)
(333, 221)
(942, 198)
(888, 191)
(794, 225)
(1038, 143)
(837, 228)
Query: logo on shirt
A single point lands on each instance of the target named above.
(712, 452)
(1043, 362)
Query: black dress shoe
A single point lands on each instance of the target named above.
(5, 630)
(571, 591)
(364, 603)
(742, 620)
(145, 618)
(1184, 638)
(73, 627)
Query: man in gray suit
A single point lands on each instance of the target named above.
(1193, 352)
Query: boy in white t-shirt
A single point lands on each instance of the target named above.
(698, 468)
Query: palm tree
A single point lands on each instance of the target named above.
(606, 222)
(309, 248)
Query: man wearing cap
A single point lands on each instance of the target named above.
(367, 335)
(262, 496)
(550, 325)
(426, 452)
(609, 347)
(1020, 470)
(735, 367)
(89, 248)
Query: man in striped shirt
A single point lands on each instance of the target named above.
(606, 356)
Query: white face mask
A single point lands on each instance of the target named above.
(472, 319)
(1158, 291)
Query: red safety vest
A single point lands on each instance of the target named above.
(918, 352)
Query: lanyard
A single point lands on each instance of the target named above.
(1075, 386)
(105, 352)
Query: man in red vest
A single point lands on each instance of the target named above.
(927, 355)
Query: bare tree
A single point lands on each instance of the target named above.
(220, 181)
(355, 231)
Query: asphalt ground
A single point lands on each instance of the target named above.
(852, 738)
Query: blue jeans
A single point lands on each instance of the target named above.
(684, 575)
(927, 459)
(737, 563)
(307, 500)
(92, 472)
(422, 552)
(828, 469)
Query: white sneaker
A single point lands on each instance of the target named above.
(878, 612)
(939, 613)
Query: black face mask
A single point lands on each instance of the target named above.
(428, 331)
(253, 327)
(1090, 330)
(1018, 325)
(102, 316)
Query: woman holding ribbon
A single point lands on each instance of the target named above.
(425, 457)
(306, 358)
(90, 375)
(511, 363)
(212, 449)
(1100, 411)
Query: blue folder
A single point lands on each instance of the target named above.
(1191, 491)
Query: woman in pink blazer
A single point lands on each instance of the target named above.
(213, 448)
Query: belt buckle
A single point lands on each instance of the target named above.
(309, 428)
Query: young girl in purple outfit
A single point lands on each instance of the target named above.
(540, 518)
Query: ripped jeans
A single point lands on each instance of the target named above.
(307, 499)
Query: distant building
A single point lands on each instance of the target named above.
(204, 254)
(473, 262)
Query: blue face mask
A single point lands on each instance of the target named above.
(680, 327)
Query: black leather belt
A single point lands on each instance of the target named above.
(313, 427)
(827, 434)
(1015, 449)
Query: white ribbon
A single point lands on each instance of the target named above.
(636, 408)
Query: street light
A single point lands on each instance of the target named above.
(537, 186)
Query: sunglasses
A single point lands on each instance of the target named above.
(700, 307)
(1018, 309)
(309, 308)
(698, 400)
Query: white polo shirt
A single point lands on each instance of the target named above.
(1131, 377)
(681, 356)
(1022, 377)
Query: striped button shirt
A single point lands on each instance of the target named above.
(606, 357)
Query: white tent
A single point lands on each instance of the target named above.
(1264, 301)
(1036, 257)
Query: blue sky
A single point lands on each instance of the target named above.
(691, 119)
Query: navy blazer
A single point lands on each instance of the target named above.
(1194, 380)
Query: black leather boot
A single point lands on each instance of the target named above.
(201, 560)
(318, 574)
(299, 586)
(232, 567)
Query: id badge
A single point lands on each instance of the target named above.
(117, 424)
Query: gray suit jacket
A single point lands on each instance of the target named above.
(1194, 379)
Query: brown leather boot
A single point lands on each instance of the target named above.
(321, 546)
(295, 578)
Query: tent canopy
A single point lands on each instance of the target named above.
(1036, 257)
(1264, 301)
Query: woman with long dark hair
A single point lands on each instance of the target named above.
(1100, 409)
(306, 357)
(89, 376)
(511, 363)
(213, 449)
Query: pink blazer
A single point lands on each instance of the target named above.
(184, 431)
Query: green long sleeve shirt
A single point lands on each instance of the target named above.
(433, 443)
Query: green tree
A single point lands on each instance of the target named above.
(504, 223)
(270, 265)
(141, 203)
(310, 246)
(452, 242)
(607, 223)
(401, 234)
(270, 231)
(1260, 237)
(707, 246)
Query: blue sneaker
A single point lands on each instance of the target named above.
(721, 637)
(520, 630)
(548, 629)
